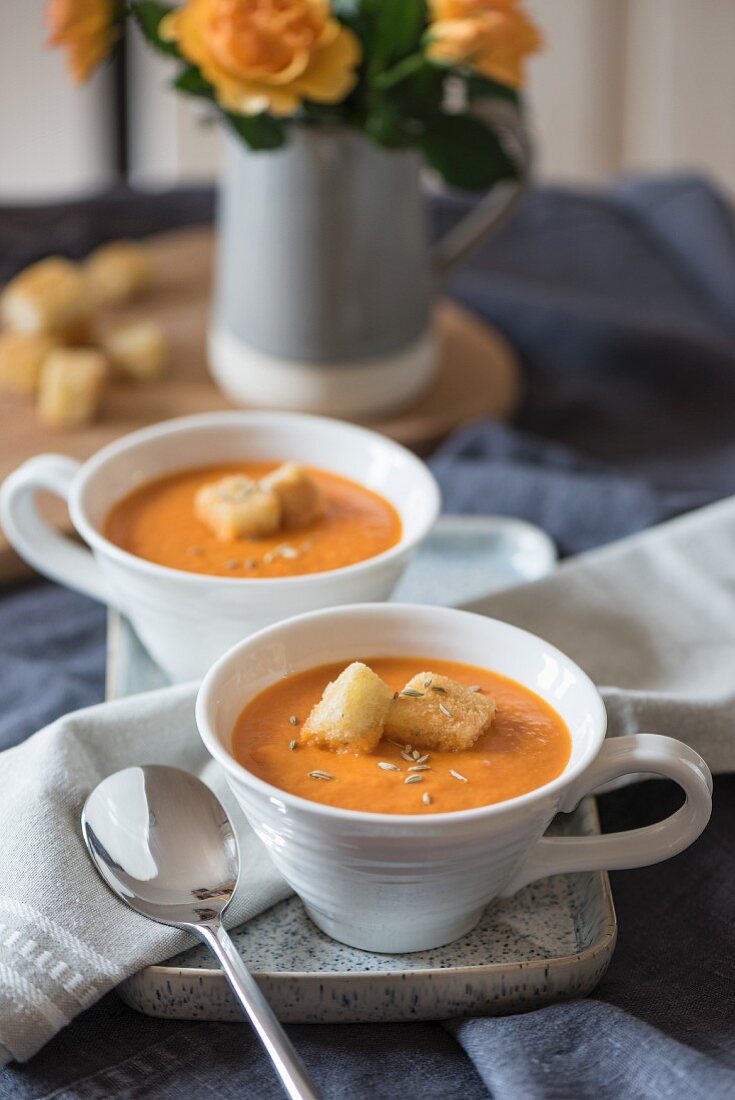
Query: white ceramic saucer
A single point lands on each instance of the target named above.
(468, 557)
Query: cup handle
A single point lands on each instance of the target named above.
(493, 211)
(641, 752)
(55, 555)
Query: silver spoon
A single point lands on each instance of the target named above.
(163, 842)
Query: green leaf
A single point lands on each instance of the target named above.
(386, 125)
(191, 81)
(465, 152)
(257, 131)
(403, 70)
(398, 27)
(421, 94)
(480, 87)
(323, 114)
(148, 15)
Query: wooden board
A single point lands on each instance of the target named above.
(479, 376)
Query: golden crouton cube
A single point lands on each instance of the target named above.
(21, 359)
(118, 271)
(48, 297)
(434, 712)
(70, 386)
(351, 713)
(301, 498)
(77, 333)
(138, 350)
(236, 507)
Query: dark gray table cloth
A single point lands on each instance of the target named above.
(623, 307)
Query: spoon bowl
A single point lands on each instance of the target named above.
(162, 840)
(164, 844)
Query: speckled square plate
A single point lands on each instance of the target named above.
(551, 941)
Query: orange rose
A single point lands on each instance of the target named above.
(492, 36)
(87, 29)
(266, 55)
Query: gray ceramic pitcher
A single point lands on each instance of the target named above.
(325, 277)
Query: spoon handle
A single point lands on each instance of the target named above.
(287, 1062)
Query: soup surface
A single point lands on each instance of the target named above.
(157, 522)
(527, 745)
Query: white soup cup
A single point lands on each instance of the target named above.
(395, 883)
(187, 620)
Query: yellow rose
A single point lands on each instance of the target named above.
(267, 55)
(87, 29)
(492, 36)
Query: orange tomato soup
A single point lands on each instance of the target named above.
(527, 745)
(157, 522)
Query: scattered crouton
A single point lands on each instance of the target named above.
(138, 350)
(49, 297)
(70, 386)
(118, 271)
(237, 507)
(435, 712)
(351, 713)
(302, 500)
(21, 359)
(78, 332)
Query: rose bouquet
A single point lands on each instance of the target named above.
(406, 73)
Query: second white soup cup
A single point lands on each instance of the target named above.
(394, 883)
(187, 620)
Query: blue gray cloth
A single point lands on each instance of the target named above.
(623, 308)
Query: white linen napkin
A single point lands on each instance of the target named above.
(652, 618)
(65, 939)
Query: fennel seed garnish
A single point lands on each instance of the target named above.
(294, 720)
(407, 756)
(420, 768)
(462, 778)
(445, 710)
(388, 767)
(423, 759)
(412, 693)
(283, 550)
(426, 798)
(416, 754)
(474, 687)
(292, 745)
(320, 775)
(414, 779)
(427, 682)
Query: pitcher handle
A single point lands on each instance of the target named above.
(641, 752)
(49, 552)
(498, 206)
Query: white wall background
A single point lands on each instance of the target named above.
(635, 85)
(54, 138)
(624, 85)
